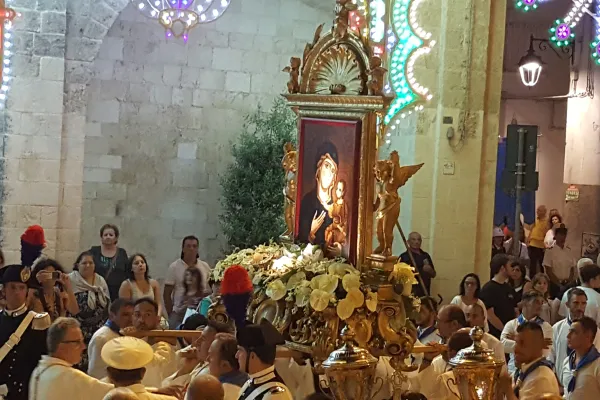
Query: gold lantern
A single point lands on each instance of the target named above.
(476, 370)
(350, 370)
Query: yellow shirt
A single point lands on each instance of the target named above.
(538, 233)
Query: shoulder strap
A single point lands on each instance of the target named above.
(15, 338)
(263, 389)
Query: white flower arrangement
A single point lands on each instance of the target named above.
(303, 276)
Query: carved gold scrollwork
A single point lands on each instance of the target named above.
(216, 312)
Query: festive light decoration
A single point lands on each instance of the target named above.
(178, 17)
(407, 42)
(561, 33)
(526, 5)
(6, 17)
(595, 45)
(377, 9)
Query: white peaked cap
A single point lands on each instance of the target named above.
(127, 353)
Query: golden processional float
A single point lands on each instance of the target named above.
(337, 300)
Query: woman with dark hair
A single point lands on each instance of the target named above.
(53, 292)
(555, 223)
(109, 259)
(93, 299)
(518, 277)
(139, 285)
(469, 288)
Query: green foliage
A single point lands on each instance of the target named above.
(252, 186)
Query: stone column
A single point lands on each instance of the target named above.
(454, 210)
(33, 129)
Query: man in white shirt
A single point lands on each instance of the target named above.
(55, 378)
(581, 370)
(532, 306)
(174, 294)
(126, 359)
(590, 281)
(576, 304)
(426, 322)
(559, 263)
(476, 317)
(120, 316)
(450, 320)
(164, 363)
(535, 376)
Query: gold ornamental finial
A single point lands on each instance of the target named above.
(342, 17)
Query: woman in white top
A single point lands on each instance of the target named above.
(469, 295)
(139, 284)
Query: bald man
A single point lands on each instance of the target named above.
(422, 259)
(205, 387)
(121, 394)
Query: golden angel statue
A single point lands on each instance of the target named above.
(342, 17)
(290, 167)
(390, 177)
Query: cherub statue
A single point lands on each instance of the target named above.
(294, 71)
(290, 167)
(390, 177)
(377, 73)
(342, 19)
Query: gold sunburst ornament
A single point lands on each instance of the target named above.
(337, 72)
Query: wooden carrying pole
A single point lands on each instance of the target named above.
(282, 351)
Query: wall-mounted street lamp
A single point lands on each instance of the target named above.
(531, 65)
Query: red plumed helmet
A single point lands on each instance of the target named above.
(34, 235)
(236, 281)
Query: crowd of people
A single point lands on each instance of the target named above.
(86, 331)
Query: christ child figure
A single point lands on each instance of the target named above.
(336, 233)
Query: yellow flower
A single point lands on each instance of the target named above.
(303, 296)
(403, 273)
(325, 282)
(276, 290)
(351, 281)
(345, 309)
(319, 299)
(371, 301)
(356, 297)
(295, 280)
(341, 269)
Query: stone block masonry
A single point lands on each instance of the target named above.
(150, 159)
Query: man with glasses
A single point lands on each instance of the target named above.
(55, 378)
(22, 334)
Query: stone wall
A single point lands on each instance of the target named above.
(161, 115)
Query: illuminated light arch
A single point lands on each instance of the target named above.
(595, 44)
(407, 41)
(6, 17)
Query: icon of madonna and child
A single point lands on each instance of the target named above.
(327, 194)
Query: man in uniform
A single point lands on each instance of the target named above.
(257, 347)
(22, 335)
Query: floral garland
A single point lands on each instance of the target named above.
(303, 276)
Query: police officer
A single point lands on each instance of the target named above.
(256, 355)
(22, 335)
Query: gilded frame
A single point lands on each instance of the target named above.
(367, 110)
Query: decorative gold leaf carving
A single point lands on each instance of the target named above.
(337, 71)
